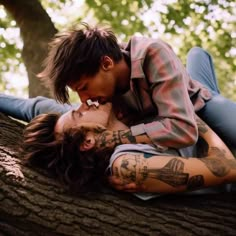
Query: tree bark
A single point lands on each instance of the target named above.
(36, 30)
(31, 203)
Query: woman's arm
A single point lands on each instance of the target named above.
(168, 174)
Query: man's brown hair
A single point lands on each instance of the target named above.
(75, 53)
(60, 154)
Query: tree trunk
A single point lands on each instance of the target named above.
(31, 203)
(36, 30)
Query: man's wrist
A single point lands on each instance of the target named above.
(137, 129)
(111, 139)
(126, 137)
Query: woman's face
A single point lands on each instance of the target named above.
(85, 115)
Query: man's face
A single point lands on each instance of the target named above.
(84, 115)
(99, 87)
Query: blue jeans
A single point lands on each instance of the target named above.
(219, 112)
(27, 109)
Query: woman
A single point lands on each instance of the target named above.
(67, 146)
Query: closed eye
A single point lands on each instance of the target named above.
(78, 113)
(82, 88)
(73, 114)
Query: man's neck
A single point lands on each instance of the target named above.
(114, 124)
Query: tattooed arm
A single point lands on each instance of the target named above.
(111, 139)
(215, 144)
(165, 174)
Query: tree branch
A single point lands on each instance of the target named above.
(31, 203)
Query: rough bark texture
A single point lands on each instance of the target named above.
(31, 203)
(36, 30)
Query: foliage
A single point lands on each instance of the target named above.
(210, 24)
(10, 51)
(123, 16)
(184, 24)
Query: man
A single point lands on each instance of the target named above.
(64, 146)
(143, 79)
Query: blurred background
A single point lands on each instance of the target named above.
(26, 27)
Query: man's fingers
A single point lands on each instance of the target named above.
(115, 181)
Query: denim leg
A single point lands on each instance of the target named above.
(201, 68)
(27, 109)
(219, 113)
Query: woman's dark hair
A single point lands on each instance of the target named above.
(75, 53)
(60, 155)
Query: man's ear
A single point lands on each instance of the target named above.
(88, 143)
(107, 63)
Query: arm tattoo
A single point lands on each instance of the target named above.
(135, 169)
(104, 139)
(126, 134)
(217, 167)
(133, 166)
(172, 173)
(196, 181)
(202, 126)
(112, 139)
(217, 162)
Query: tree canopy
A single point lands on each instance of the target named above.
(210, 24)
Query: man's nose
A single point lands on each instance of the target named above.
(83, 97)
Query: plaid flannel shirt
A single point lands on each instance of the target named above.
(160, 87)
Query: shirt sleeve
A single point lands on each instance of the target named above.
(175, 125)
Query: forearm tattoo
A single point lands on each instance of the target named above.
(195, 182)
(114, 138)
(135, 169)
(217, 163)
(172, 173)
(202, 126)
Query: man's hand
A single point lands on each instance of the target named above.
(119, 185)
